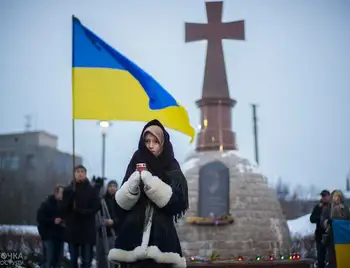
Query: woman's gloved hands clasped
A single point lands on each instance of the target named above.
(134, 183)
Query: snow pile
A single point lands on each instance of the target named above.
(301, 226)
(189, 164)
(245, 165)
(32, 230)
(19, 229)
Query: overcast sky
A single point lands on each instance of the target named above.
(295, 64)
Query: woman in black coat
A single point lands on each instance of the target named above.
(149, 202)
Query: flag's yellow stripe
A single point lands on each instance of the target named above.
(342, 252)
(112, 94)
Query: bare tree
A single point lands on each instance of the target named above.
(282, 189)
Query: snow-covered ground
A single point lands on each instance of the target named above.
(301, 226)
(32, 230)
(25, 229)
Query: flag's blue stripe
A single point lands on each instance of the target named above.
(89, 51)
(341, 231)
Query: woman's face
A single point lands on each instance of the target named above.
(337, 199)
(153, 144)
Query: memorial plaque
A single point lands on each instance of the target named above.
(214, 190)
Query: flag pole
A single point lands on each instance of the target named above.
(73, 102)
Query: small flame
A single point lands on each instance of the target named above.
(205, 122)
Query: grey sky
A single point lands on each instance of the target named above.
(295, 64)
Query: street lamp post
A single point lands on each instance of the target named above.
(104, 125)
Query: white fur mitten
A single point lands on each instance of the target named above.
(156, 190)
(146, 177)
(134, 182)
(127, 196)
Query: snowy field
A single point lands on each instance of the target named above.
(301, 227)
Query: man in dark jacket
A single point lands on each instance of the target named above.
(79, 205)
(320, 231)
(51, 229)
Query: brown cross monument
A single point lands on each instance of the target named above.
(215, 105)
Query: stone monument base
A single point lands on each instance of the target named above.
(255, 264)
(257, 227)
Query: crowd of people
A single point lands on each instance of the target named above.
(132, 226)
(330, 207)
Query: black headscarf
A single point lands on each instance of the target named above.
(160, 165)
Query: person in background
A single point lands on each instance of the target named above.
(51, 230)
(109, 222)
(80, 203)
(337, 210)
(320, 230)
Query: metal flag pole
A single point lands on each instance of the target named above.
(103, 160)
(104, 125)
(73, 112)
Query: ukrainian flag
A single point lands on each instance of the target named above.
(109, 86)
(341, 233)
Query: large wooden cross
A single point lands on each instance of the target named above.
(215, 80)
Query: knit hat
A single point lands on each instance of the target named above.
(112, 182)
(325, 193)
(80, 167)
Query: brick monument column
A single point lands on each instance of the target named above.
(215, 105)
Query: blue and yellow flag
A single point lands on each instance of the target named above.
(341, 233)
(109, 86)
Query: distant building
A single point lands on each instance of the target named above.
(30, 167)
(35, 155)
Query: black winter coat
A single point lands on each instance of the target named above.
(146, 229)
(80, 219)
(315, 217)
(48, 211)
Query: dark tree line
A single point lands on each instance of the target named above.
(295, 202)
(282, 190)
